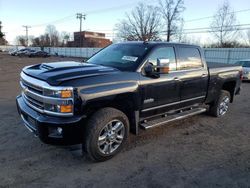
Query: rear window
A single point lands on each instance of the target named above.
(189, 58)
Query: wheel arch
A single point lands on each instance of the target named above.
(230, 87)
(128, 103)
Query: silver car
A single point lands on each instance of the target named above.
(246, 68)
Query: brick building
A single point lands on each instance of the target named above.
(89, 39)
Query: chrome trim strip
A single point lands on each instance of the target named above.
(174, 103)
(30, 105)
(33, 101)
(45, 99)
(42, 98)
(40, 83)
(27, 84)
(198, 111)
(46, 111)
(27, 125)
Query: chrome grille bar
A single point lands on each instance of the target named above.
(45, 99)
(33, 95)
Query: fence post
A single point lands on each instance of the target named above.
(229, 55)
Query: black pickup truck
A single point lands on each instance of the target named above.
(126, 87)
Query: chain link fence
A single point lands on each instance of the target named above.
(226, 55)
(68, 52)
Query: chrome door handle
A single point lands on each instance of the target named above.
(176, 78)
(204, 75)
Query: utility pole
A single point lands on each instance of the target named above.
(0, 26)
(80, 16)
(27, 33)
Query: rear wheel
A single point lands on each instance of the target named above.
(221, 105)
(106, 133)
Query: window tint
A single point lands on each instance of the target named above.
(163, 53)
(189, 59)
(243, 63)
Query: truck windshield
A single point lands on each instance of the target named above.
(125, 57)
(244, 63)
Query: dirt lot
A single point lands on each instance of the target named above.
(198, 152)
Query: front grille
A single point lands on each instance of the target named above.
(34, 102)
(32, 87)
(35, 96)
(30, 91)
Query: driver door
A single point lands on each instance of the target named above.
(160, 94)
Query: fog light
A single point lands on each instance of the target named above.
(59, 130)
(55, 132)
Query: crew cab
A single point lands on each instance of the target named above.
(125, 87)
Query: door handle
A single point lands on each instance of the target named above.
(176, 78)
(204, 75)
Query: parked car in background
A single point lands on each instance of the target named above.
(24, 52)
(245, 63)
(38, 54)
(13, 52)
(20, 52)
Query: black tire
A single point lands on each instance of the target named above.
(96, 125)
(215, 109)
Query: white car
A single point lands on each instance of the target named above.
(246, 68)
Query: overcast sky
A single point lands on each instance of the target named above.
(101, 15)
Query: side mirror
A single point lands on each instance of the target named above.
(151, 71)
(163, 66)
(155, 71)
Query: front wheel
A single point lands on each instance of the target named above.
(106, 134)
(221, 105)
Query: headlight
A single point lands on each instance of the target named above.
(66, 93)
(59, 108)
(60, 100)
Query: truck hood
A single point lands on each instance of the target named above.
(57, 72)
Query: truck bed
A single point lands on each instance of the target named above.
(220, 65)
(221, 68)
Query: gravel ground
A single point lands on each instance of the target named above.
(201, 151)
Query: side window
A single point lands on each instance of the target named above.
(163, 53)
(189, 58)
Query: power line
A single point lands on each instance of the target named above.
(210, 31)
(64, 19)
(55, 21)
(208, 17)
(97, 11)
(203, 28)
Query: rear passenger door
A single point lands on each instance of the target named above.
(193, 75)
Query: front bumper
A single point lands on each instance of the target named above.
(52, 130)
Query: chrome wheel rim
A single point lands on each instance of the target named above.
(224, 105)
(111, 137)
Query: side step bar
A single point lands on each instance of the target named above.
(170, 118)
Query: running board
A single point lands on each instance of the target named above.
(170, 118)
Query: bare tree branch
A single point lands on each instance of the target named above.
(143, 23)
(171, 11)
(223, 25)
